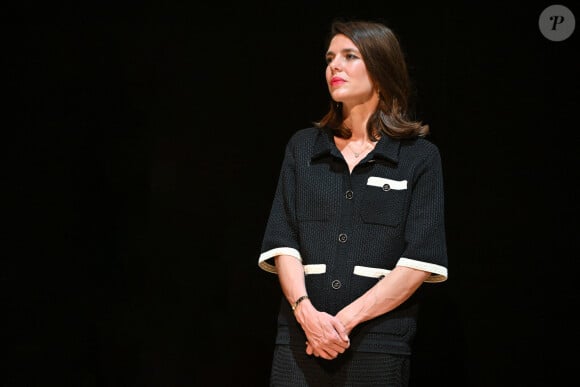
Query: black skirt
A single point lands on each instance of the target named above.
(292, 367)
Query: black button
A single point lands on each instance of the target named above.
(336, 284)
(349, 194)
(386, 187)
(342, 238)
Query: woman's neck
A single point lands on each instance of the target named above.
(357, 123)
(357, 117)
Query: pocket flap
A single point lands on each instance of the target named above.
(387, 184)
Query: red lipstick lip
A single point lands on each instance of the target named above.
(336, 81)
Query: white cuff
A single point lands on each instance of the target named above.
(438, 272)
(267, 255)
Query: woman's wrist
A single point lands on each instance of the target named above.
(298, 301)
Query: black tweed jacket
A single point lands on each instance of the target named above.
(350, 229)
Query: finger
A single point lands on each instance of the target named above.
(337, 344)
(339, 328)
(326, 352)
(338, 349)
(329, 355)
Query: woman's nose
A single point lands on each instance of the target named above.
(334, 65)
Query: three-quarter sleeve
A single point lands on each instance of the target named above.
(425, 225)
(280, 236)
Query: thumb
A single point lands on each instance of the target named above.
(339, 328)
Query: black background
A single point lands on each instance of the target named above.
(142, 147)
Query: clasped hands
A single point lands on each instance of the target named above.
(326, 335)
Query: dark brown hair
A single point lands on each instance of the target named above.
(385, 63)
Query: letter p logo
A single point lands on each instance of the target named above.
(557, 22)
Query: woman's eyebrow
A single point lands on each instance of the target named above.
(344, 51)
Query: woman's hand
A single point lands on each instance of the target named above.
(325, 334)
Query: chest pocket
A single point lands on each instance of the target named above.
(383, 201)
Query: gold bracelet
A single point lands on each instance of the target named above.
(298, 301)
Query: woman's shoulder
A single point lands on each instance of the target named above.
(305, 135)
(308, 132)
(421, 145)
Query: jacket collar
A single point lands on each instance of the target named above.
(386, 148)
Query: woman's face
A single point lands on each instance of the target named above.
(346, 73)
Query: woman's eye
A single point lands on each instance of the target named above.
(351, 56)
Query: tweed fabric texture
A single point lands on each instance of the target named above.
(388, 211)
(292, 367)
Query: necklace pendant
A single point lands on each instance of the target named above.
(356, 154)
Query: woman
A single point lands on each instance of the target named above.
(356, 225)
